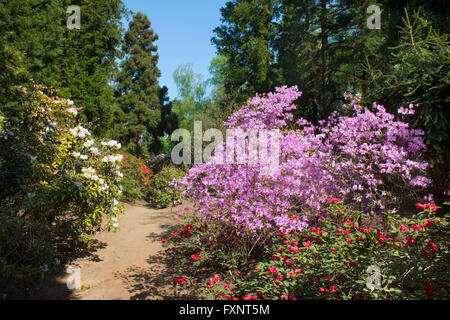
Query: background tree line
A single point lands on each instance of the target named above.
(323, 46)
(326, 48)
(109, 71)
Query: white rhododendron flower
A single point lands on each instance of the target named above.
(88, 143)
(112, 159)
(73, 111)
(112, 143)
(80, 132)
(94, 150)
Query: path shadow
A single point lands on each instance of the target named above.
(53, 286)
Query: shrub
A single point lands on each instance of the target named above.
(362, 155)
(161, 193)
(331, 259)
(57, 182)
(212, 244)
(137, 178)
(25, 253)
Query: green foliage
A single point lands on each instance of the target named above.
(192, 104)
(80, 61)
(161, 193)
(245, 39)
(139, 111)
(25, 252)
(330, 261)
(213, 245)
(53, 170)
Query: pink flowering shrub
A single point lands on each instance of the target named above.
(335, 258)
(362, 155)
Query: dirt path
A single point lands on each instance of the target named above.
(128, 264)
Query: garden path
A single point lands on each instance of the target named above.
(127, 264)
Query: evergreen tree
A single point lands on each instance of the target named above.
(245, 38)
(88, 62)
(137, 88)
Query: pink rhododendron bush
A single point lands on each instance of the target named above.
(360, 154)
(326, 225)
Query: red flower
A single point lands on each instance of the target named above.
(249, 297)
(403, 228)
(298, 270)
(348, 240)
(273, 270)
(424, 253)
(433, 246)
(217, 278)
(292, 297)
(308, 244)
(284, 297)
(426, 223)
(315, 230)
(410, 241)
(322, 290)
(293, 217)
(332, 289)
(331, 199)
(351, 264)
(257, 268)
(429, 289)
(416, 227)
(349, 222)
(179, 280)
(196, 257)
(332, 250)
(347, 231)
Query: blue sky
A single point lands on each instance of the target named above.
(185, 29)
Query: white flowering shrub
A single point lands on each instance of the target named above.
(54, 171)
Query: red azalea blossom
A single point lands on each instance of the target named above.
(410, 241)
(292, 297)
(273, 270)
(348, 240)
(332, 250)
(403, 228)
(217, 278)
(179, 280)
(284, 297)
(308, 244)
(332, 289)
(424, 253)
(351, 264)
(331, 199)
(196, 257)
(426, 223)
(429, 289)
(433, 246)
